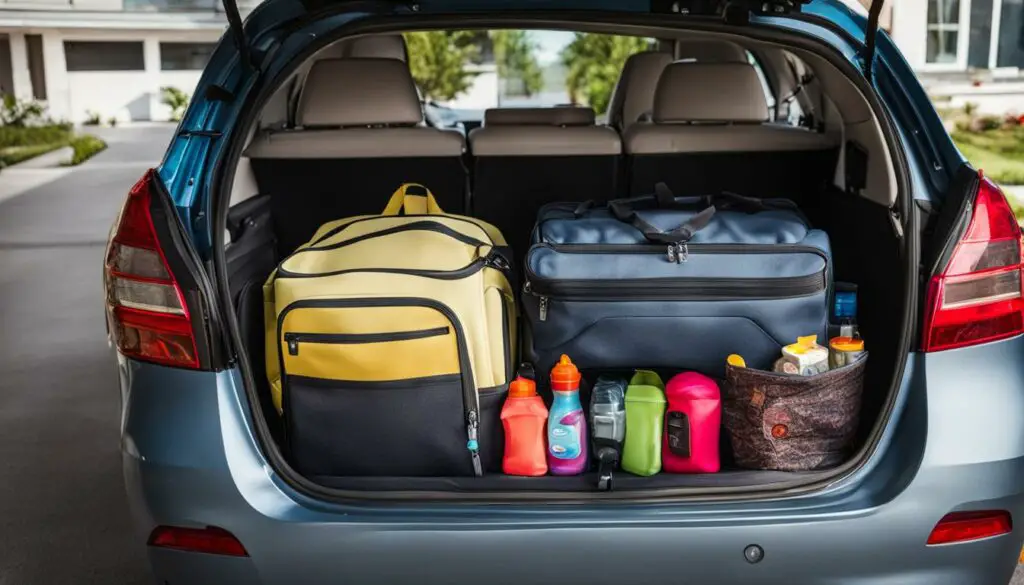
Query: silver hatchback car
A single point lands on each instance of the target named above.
(929, 497)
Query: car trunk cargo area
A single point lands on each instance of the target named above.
(504, 173)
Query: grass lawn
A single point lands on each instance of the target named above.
(1000, 153)
(13, 155)
(84, 146)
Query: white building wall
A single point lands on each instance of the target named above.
(124, 95)
(19, 66)
(910, 30)
(482, 94)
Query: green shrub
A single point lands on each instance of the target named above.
(176, 100)
(34, 135)
(91, 118)
(15, 112)
(85, 146)
(14, 155)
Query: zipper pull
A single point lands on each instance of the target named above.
(293, 346)
(544, 308)
(672, 254)
(682, 252)
(497, 261)
(473, 444)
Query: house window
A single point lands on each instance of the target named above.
(185, 56)
(1010, 42)
(104, 56)
(943, 31)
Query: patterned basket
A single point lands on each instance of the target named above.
(792, 423)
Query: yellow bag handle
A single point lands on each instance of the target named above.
(413, 204)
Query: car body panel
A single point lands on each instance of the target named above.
(955, 440)
(190, 459)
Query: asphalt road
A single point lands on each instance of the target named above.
(63, 516)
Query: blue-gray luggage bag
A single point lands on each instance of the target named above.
(674, 283)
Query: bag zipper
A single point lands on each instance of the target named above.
(672, 289)
(492, 260)
(427, 217)
(416, 226)
(690, 248)
(470, 400)
(293, 339)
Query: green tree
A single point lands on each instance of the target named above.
(515, 54)
(594, 62)
(438, 62)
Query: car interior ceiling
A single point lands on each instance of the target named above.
(321, 150)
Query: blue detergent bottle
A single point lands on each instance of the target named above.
(567, 426)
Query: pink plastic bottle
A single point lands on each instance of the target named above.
(692, 424)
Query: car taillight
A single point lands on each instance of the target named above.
(965, 526)
(210, 540)
(147, 313)
(977, 298)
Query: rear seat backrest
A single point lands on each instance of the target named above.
(526, 157)
(633, 96)
(710, 134)
(360, 137)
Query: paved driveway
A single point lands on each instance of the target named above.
(63, 517)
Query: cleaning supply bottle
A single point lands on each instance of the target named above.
(524, 417)
(645, 423)
(567, 428)
(607, 426)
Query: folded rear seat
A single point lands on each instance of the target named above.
(710, 133)
(526, 157)
(360, 136)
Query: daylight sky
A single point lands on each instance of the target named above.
(551, 43)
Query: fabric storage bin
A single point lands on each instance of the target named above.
(789, 422)
(645, 418)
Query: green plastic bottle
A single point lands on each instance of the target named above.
(645, 419)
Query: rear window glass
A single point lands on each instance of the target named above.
(467, 72)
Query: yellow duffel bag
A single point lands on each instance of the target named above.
(390, 343)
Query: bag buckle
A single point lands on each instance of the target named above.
(678, 252)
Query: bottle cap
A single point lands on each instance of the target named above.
(847, 344)
(736, 361)
(565, 375)
(522, 388)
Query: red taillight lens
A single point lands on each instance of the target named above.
(148, 317)
(212, 540)
(964, 526)
(977, 298)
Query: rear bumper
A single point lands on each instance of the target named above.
(190, 460)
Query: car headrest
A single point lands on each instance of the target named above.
(383, 46)
(709, 92)
(710, 52)
(556, 116)
(633, 95)
(359, 92)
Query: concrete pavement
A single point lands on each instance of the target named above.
(63, 515)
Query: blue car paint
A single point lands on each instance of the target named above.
(193, 461)
(191, 455)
